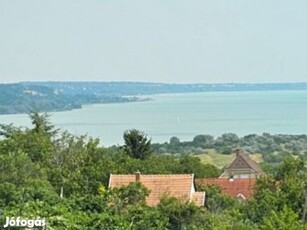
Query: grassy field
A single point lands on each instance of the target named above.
(222, 160)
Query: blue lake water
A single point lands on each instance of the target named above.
(186, 115)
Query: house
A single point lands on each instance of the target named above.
(239, 188)
(176, 185)
(242, 167)
(238, 179)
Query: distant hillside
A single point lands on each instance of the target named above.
(142, 88)
(26, 97)
(55, 96)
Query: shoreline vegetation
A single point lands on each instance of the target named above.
(24, 97)
(266, 149)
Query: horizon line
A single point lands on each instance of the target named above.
(152, 82)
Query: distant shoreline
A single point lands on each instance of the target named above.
(19, 98)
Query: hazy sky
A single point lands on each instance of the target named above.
(153, 40)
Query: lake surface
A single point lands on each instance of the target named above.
(186, 115)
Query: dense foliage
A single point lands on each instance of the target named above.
(64, 178)
(273, 148)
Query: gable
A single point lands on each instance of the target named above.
(239, 163)
(242, 161)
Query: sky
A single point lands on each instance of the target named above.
(172, 41)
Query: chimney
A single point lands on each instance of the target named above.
(238, 152)
(137, 176)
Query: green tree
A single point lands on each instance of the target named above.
(182, 214)
(193, 165)
(143, 217)
(42, 123)
(137, 145)
(273, 192)
(216, 202)
(72, 169)
(9, 194)
(203, 141)
(134, 193)
(286, 219)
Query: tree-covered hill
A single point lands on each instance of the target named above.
(55, 96)
(145, 88)
(25, 97)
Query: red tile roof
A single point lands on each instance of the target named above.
(180, 186)
(232, 187)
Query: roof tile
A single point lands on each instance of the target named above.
(232, 187)
(177, 185)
